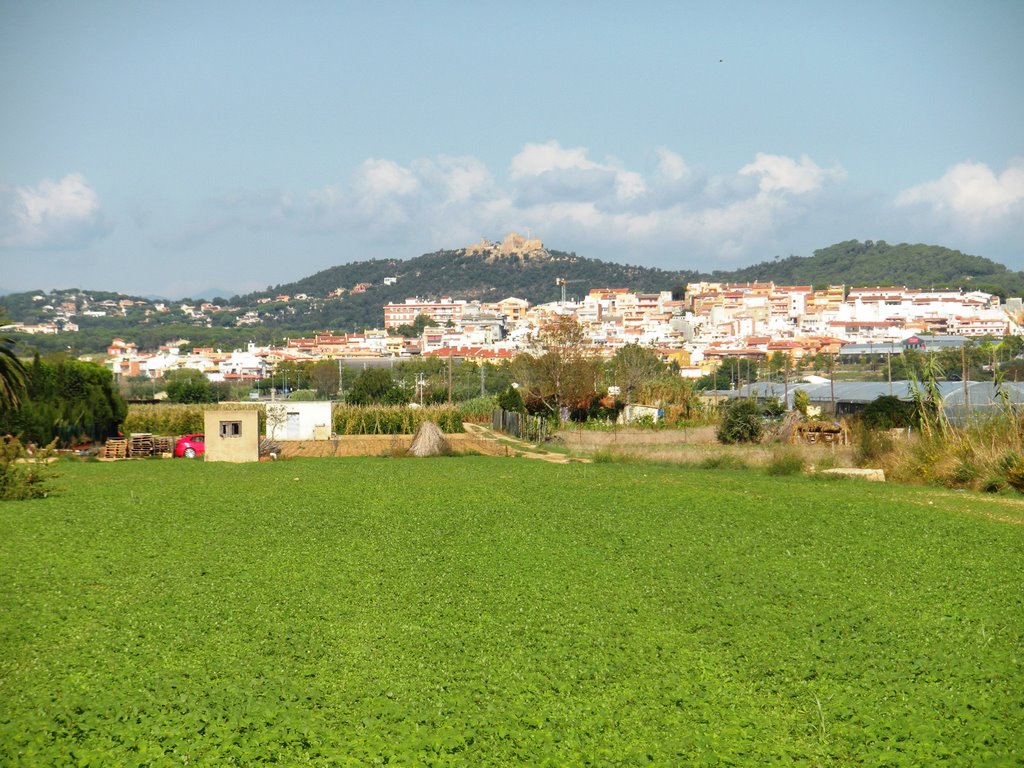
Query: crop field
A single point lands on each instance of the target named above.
(483, 611)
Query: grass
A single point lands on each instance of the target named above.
(485, 611)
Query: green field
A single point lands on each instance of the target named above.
(483, 611)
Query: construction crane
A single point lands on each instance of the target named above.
(562, 282)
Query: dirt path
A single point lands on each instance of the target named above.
(516, 447)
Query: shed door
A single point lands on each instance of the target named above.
(293, 425)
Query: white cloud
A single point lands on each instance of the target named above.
(667, 213)
(972, 194)
(61, 214)
(779, 173)
(553, 173)
(671, 167)
(377, 179)
(535, 159)
(456, 179)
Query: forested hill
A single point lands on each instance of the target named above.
(854, 264)
(464, 275)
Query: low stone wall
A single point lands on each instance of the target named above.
(380, 445)
(592, 439)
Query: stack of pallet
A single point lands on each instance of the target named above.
(141, 445)
(115, 448)
(162, 445)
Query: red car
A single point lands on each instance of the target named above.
(190, 446)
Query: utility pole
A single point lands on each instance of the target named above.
(963, 377)
(888, 367)
(832, 380)
(420, 381)
(785, 383)
(341, 381)
(449, 375)
(483, 390)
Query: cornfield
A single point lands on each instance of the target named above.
(178, 419)
(393, 420)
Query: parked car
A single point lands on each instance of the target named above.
(190, 446)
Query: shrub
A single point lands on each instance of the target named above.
(723, 461)
(511, 400)
(871, 445)
(993, 484)
(801, 401)
(888, 412)
(964, 474)
(644, 422)
(25, 473)
(1013, 471)
(785, 463)
(742, 423)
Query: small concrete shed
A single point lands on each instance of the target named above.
(232, 435)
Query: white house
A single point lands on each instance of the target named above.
(301, 420)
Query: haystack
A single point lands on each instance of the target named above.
(429, 441)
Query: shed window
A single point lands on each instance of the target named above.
(230, 429)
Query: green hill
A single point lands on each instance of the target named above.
(854, 264)
(463, 275)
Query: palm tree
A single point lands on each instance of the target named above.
(12, 372)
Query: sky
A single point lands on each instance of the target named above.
(189, 149)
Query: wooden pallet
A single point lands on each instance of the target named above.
(162, 445)
(140, 445)
(115, 448)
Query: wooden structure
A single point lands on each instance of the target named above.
(829, 432)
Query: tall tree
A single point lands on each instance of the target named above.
(565, 375)
(634, 366)
(12, 372)
(189, 386)
(67, 399)
(325, 378)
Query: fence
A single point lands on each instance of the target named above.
(521, 425)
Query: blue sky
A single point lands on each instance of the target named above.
(185, 148)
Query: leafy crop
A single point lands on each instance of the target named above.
(485, 611)
(393, 419)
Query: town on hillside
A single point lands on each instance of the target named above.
(711, 322)
(694, 332)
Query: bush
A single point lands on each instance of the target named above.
(888, 412)
(644, 422)
(25, 473)
(871, 446)
(723, 461)
(511, 400)
(785, 463)
(801, 401)
(1013, 471)
(742, 423)
(963, 474)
